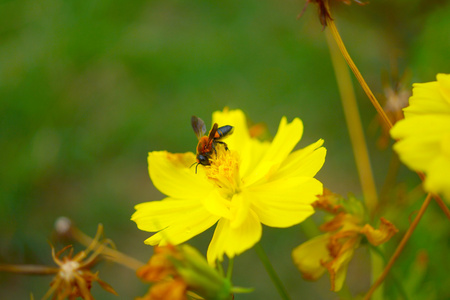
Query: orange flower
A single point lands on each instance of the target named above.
(379, 236)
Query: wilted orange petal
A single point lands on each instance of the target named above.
(157, 268)
(379, 236)
(338, 269)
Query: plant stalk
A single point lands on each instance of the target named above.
(271, 271)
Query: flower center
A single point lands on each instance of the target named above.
(68, 269)
(224, 171)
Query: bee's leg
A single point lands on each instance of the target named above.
(226, 146)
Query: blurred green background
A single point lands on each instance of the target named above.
(87, 88)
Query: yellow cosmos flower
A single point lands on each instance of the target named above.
(424, 135)
(250, 184)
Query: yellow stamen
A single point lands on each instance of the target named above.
(224, 171)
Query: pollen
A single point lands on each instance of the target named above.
(224, 170)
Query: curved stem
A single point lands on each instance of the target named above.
(400, 247)
(397, 282)
(355, 70)
(271, 271)
(354, 126)
(442, 205)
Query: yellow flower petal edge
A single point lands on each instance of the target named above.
(423, 136)
(304, 162)
(288, 135)
(249, 184)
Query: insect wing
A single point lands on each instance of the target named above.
(199, 126)
(212, 133)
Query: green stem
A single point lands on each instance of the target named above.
(271, 271)
(389, 182)
(394, 278)
(230, 268)
(400, 247)
(354, 125)
(377, 265)
(220, 268)
(352, 66)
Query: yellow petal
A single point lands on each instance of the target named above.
(285, 202)
(264, 170)
(420, 139)
(417, 153)
(287, 137)
(308, 257)
(237, 119)
(426, 126)
(438, 178)
(176, 220)
(251, 156)
(172, 175)
(233, 241)
(157, 215)
(240, 205)
(304, 162)
(426, 99)
(217, 205)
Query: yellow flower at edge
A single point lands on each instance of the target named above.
(250, 184)
(424, 135)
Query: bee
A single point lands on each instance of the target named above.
(207, 144)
